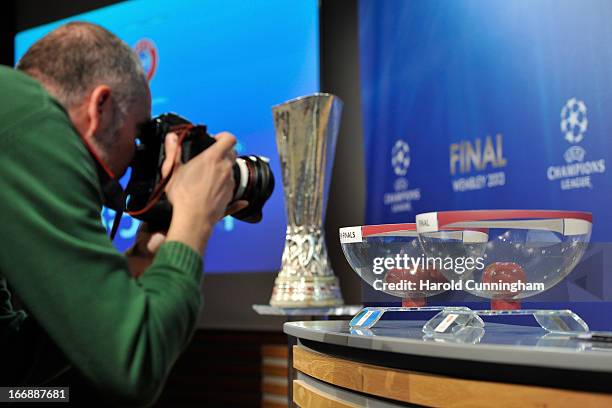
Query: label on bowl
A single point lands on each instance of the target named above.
(427, 222)
(448, 320)
(350, 234)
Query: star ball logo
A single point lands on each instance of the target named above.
(400, 157)
(149, 57)
(574, 122)
(401, 198)
(576, 172)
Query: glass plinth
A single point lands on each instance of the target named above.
(452, 322)
(369, 316)
(465, 335)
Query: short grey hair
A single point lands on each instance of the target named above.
(76, 57)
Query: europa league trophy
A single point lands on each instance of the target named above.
(306, 133)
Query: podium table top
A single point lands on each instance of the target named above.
(497, 344)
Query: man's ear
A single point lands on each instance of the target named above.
(99, 110)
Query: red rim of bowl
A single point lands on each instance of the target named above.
(378, 229)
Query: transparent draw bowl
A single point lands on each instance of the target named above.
(386, 257)
(514, 255)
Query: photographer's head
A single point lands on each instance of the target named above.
(99, 81)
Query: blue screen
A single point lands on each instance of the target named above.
(478, 104)
(223, 64)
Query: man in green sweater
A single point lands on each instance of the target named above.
(82, 85)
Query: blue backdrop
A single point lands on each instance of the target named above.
(224, 67)
(477, 104)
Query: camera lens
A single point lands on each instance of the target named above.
(254, 183)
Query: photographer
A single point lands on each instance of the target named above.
(76, 109)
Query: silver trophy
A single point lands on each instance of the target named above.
(306, 133)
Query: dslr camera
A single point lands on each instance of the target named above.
(146, 201)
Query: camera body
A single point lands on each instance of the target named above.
(254, 180)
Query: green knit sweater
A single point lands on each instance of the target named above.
(120, 333)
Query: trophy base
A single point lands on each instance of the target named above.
(306, 292)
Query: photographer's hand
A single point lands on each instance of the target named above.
(141, 254)
(200, 190)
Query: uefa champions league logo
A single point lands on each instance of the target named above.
(574, 154)
(574, 124)
(400, 157)
(574, 120)
(578, 171)
(401, 198)
(148, 55)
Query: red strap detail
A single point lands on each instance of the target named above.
(450, 217)
(182, 130)
(367, 230)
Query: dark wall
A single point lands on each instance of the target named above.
(228, 297)
(31, 13)
(219, 369)
(7, 32)
(340, 76)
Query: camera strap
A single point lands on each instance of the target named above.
(114, 198)
(181, 131)
(113, 195)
